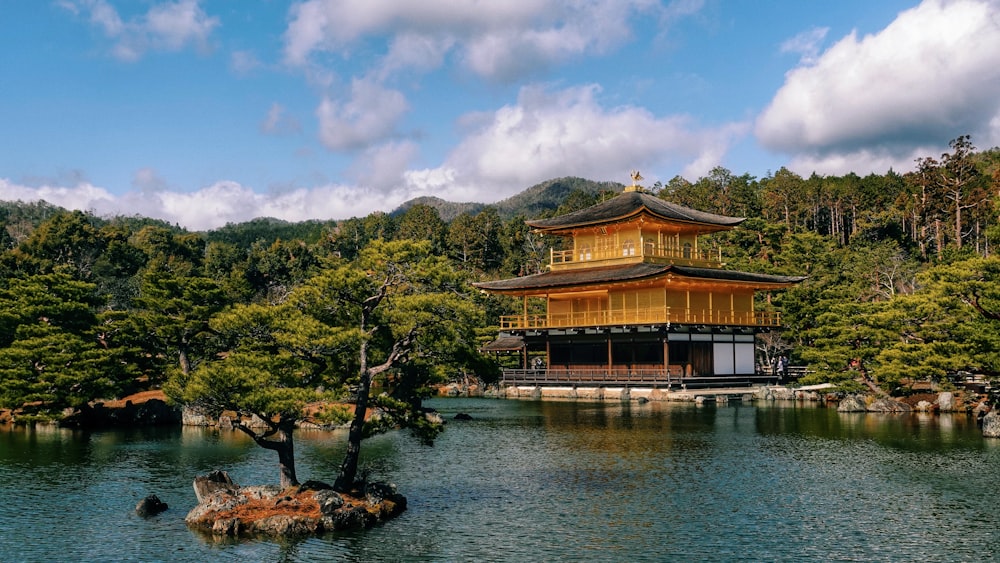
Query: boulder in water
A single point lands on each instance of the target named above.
(946, 401)
(150, 506)
(852, 403)
(206, 485)
(991, 424)
(888, 405)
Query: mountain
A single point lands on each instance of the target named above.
(447, 210)
(535, 201)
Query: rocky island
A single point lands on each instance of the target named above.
(227, 509)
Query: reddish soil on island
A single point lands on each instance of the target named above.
(136, 399)
(301, 504)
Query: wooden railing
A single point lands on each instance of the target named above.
(708, 257)
(651, 315)
(626, 378)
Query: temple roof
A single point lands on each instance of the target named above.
(504, 343)
(633, 272)
(630, 204)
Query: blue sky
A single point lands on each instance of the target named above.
(214, 111)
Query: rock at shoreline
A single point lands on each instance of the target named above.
(310, 508)
(150, 506)
(853, 403)
(888, 405)
(991, 424)
(206, 485)
(946, 401)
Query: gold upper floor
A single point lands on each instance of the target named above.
(607, 247)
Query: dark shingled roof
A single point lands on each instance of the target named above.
(733, 275)
(504, 343)
(631, 272)
(576, 277)
(629, 204)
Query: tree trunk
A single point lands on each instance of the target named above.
(183, 361)
(286, 458)
(958, 219)
(349, 467)
(283, 446)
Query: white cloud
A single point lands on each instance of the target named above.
(166, 26)
(84, 196)
(806, 44)
(278, 122)
(148, 180)
(415, 51)
(382, 167)
(927, 78)
(550, 134)
(370, 115)
(213, 206)
(507, 40)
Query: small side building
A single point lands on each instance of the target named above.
(636, 299)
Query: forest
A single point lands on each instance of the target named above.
(902, 288)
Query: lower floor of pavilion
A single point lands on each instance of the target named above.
(658, 355)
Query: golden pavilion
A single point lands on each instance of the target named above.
(636, 298)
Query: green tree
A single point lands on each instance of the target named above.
(277, 361)
(422, 222)
(68, 239)
(170, 319)
(782, 197)
(411, 318)
(273, 270)
(474, 240)
(50, 354)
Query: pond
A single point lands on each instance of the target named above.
(542, 481)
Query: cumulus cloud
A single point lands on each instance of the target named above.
(550, 134)
(83, 196)
(415, 51)
(148, 180)
(382, 167)
(369, 115)
(928, 77)
(507, 40)
(166, 26)
(213, 206)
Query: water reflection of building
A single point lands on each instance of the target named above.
(637, 297)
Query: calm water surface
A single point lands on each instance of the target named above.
(542, 481)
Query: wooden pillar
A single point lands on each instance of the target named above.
(611, 362)
(666, 354)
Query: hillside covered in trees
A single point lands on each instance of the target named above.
(903, 284)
